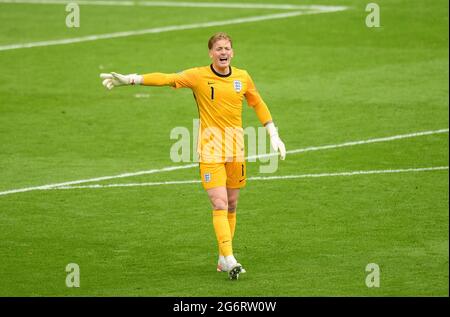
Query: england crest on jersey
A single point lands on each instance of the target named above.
(237, 85)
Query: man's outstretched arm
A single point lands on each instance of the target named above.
(111, 80)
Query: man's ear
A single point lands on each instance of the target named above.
(210, 54)
(232, 53)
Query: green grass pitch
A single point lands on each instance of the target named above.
(327, 78)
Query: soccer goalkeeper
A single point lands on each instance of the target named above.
(219, 90)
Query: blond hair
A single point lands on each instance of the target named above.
(217, 37)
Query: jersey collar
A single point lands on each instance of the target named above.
(220, 75)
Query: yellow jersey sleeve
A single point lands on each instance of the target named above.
(255, 101)
(157, 79)
(185, 79)
(263, 113)
(252, 94)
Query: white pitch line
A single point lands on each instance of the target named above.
(163, 29)
(84, 3)
(259, 178)
(178, 167)
(127, 184)
(392, 138)
(154, 30)
(353, 143)
(43, 187)
(353, 173)
(229, 5)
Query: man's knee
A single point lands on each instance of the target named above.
(220, 204)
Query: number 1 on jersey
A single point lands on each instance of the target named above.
(212, 93)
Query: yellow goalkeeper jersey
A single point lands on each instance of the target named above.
(219, 101)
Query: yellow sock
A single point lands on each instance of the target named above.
(223, 233)
(232, 222)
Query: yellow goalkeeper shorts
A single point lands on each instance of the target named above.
(228, 174)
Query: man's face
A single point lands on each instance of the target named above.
(221, 54)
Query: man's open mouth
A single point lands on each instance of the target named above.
(223, 59)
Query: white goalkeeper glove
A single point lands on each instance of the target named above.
(275, 140)
(111, 80)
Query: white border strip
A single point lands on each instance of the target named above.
(265, 178)
(178, 167)
(158, 30)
